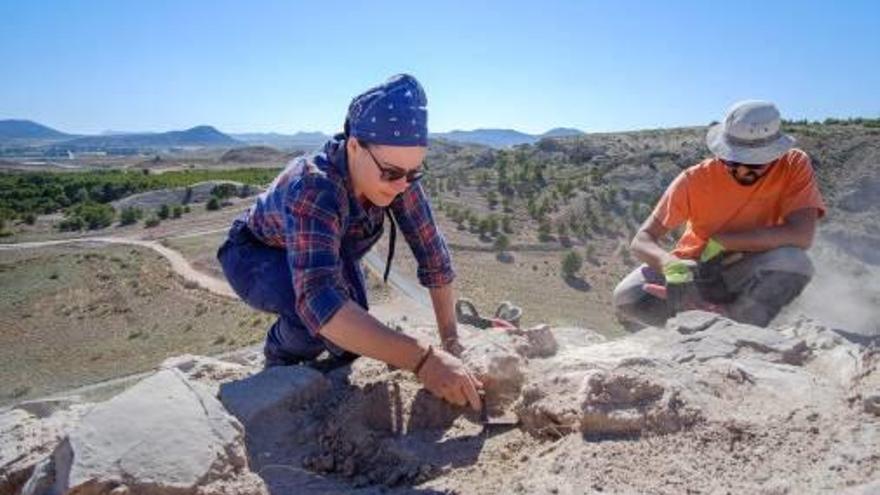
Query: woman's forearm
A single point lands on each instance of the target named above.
(357, 331)
(443, 300)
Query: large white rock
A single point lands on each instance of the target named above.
(662, 380)
(166, 434)
(28, 433)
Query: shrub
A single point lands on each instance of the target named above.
(177, 211)
(90, 215)
(152, 222)
(130, 215)
(224, 191)
(213, 204)
(71, 224)
(501, 243)
(164, 212)
(571, 263)
(29, 218)
(544, 231)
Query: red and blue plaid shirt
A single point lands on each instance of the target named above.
(310, 210)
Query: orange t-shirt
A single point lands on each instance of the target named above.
(712, 202)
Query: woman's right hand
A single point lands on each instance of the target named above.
(446, 376)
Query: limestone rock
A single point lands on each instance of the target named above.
(536, 342)
(491, 356)
(166, 435)
(28, 433)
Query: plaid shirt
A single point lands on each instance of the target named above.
(310, 210)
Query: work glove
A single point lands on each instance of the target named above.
(713, 250)
(709, 274)
(679, 284)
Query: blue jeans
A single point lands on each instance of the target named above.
(260, 275)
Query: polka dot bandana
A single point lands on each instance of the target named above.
(393, 113)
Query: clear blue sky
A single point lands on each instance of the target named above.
(89, 66)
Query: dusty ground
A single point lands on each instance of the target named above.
(73, 315)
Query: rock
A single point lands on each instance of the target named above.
(536, 342)
(28, 434)
(207, 370)
(166, 434)
(491, 356)
(689, 322)
(621, 402)
(726, 338)
(272, 392)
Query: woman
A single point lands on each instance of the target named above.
(296, 251)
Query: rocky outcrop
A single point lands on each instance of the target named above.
(788, 410)
(165, 435)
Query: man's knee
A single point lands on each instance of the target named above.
(630, 290)
(787, 259)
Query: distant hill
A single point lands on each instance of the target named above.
(197, 136)
(256, 154)
(559, 132)
(26, 129)
(502, 138)
(300, 140)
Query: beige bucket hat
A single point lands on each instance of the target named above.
(751, 133)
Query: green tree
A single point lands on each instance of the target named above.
(224, 191)
(130, 215)
(501, 243)
(507, 224)
(571, 263)
(492, 198)
(71, 224)
(544, 231)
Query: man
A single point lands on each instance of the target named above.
(749, 214)
(297, 251)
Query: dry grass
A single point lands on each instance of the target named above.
(72, 316)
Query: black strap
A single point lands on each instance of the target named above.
(391, 242)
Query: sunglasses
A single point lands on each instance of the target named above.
(750, 166)
(392, 173)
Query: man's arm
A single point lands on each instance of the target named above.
(645, 245)
(798, 230)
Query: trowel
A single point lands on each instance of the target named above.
(508, 418)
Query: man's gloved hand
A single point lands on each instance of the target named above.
(679, 283)
(709, 280)
(678, 272)
(712, 251)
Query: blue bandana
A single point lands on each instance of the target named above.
(393, 113)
